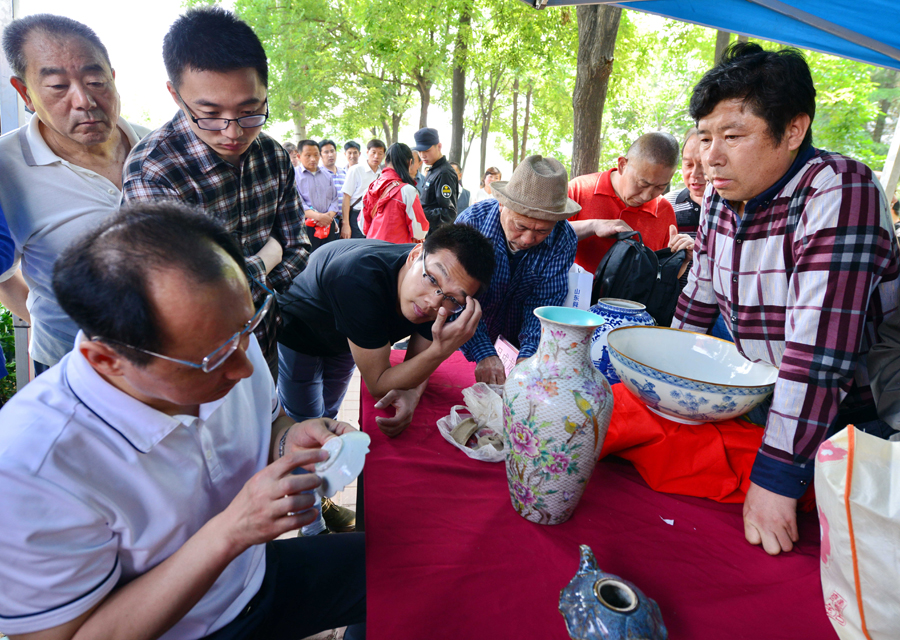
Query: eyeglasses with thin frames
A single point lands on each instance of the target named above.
(454, 306)
(220, 124)
(215, 359)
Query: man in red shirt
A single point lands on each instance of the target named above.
(627, 197)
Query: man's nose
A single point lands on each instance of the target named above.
(713, 155)
(233, 130)
(81, 97)
(697, 174)
(528, 239)
(434, 300)
(238, 365)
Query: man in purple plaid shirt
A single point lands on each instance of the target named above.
(213, 155)
(795, 249)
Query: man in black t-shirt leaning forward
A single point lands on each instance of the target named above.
(356, 298)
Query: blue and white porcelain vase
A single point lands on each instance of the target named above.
(617, 313)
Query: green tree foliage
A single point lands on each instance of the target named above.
(657, 64)
(354, 68)
(844, 109)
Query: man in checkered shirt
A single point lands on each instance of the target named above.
(795, 249)
(213, 155)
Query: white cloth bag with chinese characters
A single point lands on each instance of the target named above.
(858, 495)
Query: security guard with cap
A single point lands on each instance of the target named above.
(438, 189)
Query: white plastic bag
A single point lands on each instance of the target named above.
(485, 405)
(858, 495)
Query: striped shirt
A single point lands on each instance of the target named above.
(803, 277)
(254, 201)
(337, 178)
(540, 278)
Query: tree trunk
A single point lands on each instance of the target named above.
(598, 26)
(485, 130)
(467, 150)
(525, 124)
(878, 130)
(722, 39)
(742, 38)
(458, 92)
(298, 107)
(424, 87)
(395, 127)
(515, 123)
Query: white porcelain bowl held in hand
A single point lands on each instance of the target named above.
(688, 377)
(347, 455)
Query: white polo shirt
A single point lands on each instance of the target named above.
(48, 202)
(357, 182)
(98, 488)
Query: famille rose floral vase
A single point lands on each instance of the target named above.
(556, 410)
(617, 313)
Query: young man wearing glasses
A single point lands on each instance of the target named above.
(213, 155)
(149, 474)
(357, 298)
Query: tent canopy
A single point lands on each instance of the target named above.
(864, 30)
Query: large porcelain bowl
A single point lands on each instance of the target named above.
(688, 377)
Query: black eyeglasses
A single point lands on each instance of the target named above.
(215, 359)
(454, 305)
(220, 124)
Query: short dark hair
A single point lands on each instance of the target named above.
(473, 250)
(399, 156)
(306, 143)
(102, 280)
(16, 33)
(776, 85)
(290, 147)
(350, 144)
(656, 147)
(212, 39)
(376, 143)
(325, 142)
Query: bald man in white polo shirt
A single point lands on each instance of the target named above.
(144, 475)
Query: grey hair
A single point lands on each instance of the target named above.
(16, 34)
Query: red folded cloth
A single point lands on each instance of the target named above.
(711, 460)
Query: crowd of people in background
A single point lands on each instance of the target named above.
(200, 296)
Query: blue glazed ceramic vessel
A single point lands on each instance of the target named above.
(600, 606)
(617, 313)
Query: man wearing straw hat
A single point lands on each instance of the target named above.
(534, 247)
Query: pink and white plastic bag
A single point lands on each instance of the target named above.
(858, 497)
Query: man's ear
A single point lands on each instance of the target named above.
(103, 358)
(22, 89)
(414, 254)
(173, 93)
(796, 130)
(620, 165)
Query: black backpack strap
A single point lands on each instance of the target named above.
(620, 255)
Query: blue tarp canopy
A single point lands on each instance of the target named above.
(865, 30)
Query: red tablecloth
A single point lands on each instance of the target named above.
(448, 557)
